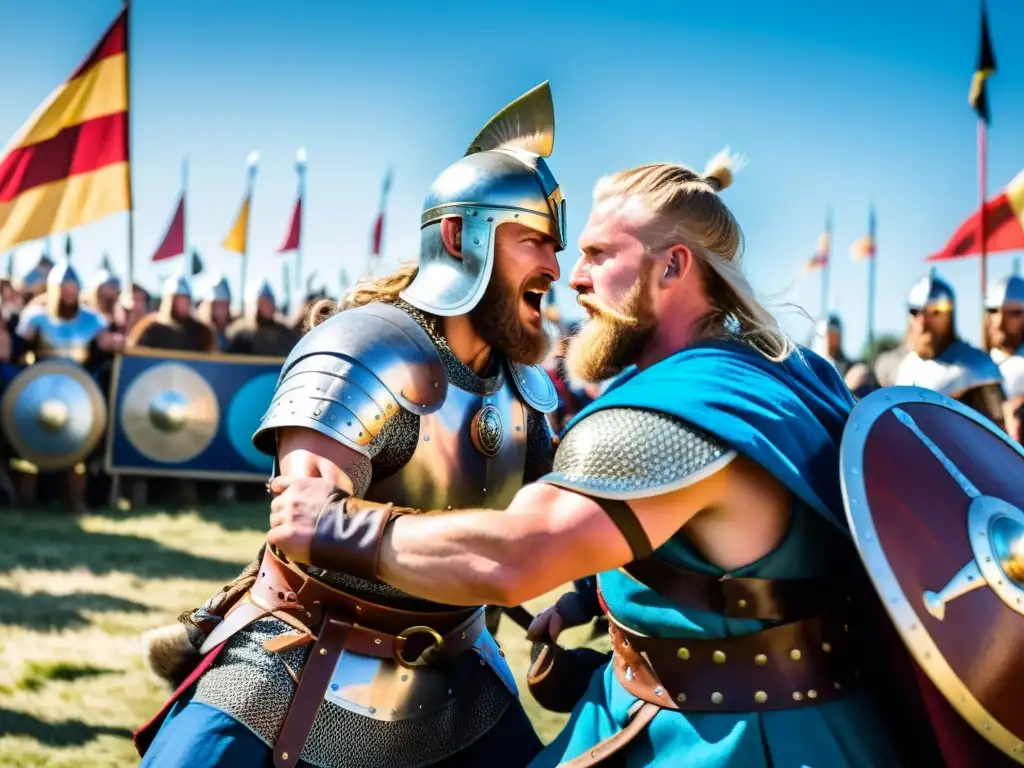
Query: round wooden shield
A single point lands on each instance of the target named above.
(54, 414)
(934, 496)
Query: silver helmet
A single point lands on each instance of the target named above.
(502, 178)
(215, 289)
(931, 291)
(60, 275)
(256, 291)
(1009, 290)
(177, 285)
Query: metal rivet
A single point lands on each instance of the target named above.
(518, 428)
(309, 615)
(483, 663)
(797, 696)
(426, 438)
(437, 384)
(404, 678)
(795, 654)
(359, 609)
(826, 647)
(681, 698)
(476, 241)
(372, 710)
(683, 653)
(284, 755)
(760, 697)
(501, 653)
(485, 490)
(449, 506)
(463, 635)
(837, 686)
(316, 602)
(717, 698)
(376, 641)
(812, 694)
(741, 603)
(323, 651)
(760, 659)
(718, 657)
(377, 417)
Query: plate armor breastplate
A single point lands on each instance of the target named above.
(470, 453)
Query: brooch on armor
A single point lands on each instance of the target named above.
(487, 431)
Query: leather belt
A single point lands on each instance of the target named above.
(803, 663)
(741, 598)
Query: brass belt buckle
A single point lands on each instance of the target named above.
(403, 637)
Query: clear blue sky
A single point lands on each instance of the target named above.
(836, 106)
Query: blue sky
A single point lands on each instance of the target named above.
(836, 107)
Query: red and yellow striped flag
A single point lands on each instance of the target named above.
(820, 257)
(864, 248)
(68, 165)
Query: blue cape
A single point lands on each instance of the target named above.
(788, 417)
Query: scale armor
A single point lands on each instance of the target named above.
(349, 370)
(629, 453)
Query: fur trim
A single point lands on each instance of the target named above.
(169, 653)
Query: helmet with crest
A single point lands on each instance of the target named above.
(502, 178)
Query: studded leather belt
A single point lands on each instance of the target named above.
(803, 663)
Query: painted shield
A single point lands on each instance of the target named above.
(190, 415)
(54, 414)
(934, 495)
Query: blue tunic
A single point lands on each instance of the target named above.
(789, 418)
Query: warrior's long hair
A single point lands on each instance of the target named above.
(684, 207)
(384, 289)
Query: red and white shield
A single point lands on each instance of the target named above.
(934, 496)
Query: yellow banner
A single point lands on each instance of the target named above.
(237, 239)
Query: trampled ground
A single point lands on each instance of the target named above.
(75, 594)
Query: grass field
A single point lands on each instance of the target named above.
(75, 594)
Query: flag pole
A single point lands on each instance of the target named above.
(300, 168)
(983, 194)
(128, 294)
(252, 162)
(827, 266)
(871, 277)
(186, 252)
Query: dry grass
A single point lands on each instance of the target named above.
(75, 594)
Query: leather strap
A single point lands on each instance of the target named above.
(309, 694)
(740, 598)
(605, 749)
(620, 513)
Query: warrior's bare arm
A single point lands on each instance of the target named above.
(546, 537)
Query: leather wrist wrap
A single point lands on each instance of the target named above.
(348, 535)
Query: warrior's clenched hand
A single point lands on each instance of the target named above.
(294, 513)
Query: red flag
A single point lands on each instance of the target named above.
(174, 239)
(1004, 226)
(291, 240)
(378, 234)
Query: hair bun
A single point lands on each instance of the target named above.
(721, 169)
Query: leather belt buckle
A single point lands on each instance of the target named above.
(406, 634)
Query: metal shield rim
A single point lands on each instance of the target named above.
(920, 644)
(99, 405)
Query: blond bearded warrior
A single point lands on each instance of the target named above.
(716, 449)
(424, 392)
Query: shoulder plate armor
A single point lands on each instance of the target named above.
(535, 386)
(629, 453)
(960, 368)
(350, 375)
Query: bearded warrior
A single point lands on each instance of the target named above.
(1005, 305)
(60, 328)
(261, 331)
(174, 325)
(703, 487)
(421, 392)
(942, 362)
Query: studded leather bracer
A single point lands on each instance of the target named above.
(349, 533)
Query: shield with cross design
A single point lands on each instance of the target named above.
(934, 495)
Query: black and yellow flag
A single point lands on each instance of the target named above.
(978, 97)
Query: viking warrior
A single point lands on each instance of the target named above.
(174, 325)
(60, 328)
(422, 392)
(942, 362)
(1005, 305)
(704, 488)
(828, 342)
(215, 308)
(261, 331)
